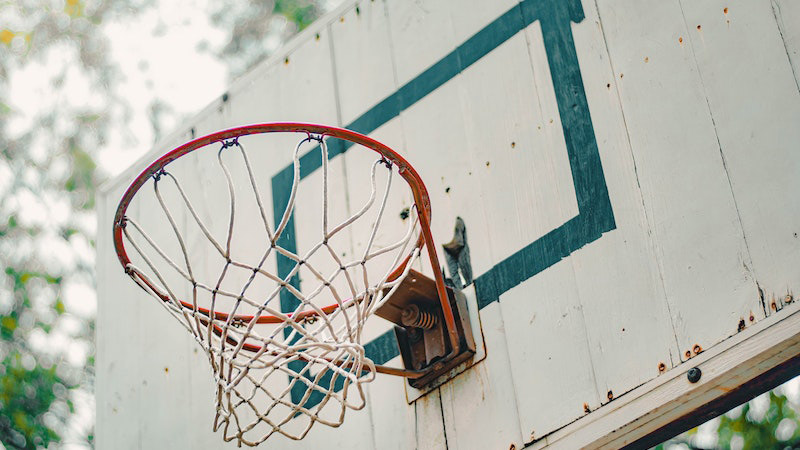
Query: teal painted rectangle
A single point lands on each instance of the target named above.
(595, 215)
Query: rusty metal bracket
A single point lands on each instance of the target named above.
(421, 332)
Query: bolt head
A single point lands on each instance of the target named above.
(694, 374)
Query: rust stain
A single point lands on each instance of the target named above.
(586, 408)
(610, 396)
(752, 317)
(725, 10)
(688, 354)
(699, 28)
(741, 325)
(788, 298)
(646, 59)
(697, 349)
(513, 144)
(662, 367)
(680, 40)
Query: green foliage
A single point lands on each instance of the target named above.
(46, 160)
(761, 432)
(300, 13)
(747, 428)
(249, 24)
(26, 395)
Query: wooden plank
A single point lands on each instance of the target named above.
(116, 390)
(455, 149)
(703, 260)
(394, 421)
(527, 191)
(754, 101)
(627, 318)
(480, 405)
(430, 428)
(421, 33)
(670, 397)
(364, 70)
(548, 351)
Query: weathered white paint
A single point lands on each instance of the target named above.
(697, 134)
(741, 358)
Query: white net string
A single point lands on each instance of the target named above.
(308, 365)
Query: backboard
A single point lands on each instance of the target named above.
(627, 173)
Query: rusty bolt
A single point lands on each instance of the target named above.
(409, 315)
(774, 306)
(414, 334)
(694, 374)
(688, 354)
(586, 408)
(788, 298)
(697, 349)
(610, 396)
(741, 326)
(662, 367)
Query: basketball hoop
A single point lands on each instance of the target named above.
(252, 340)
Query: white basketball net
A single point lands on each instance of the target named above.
(282, 377)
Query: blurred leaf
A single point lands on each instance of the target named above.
(25, 396)
(6, 36)
(74, 8)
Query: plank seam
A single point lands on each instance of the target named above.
(776, 12)
(444, 422)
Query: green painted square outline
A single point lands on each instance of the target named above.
(595, 214)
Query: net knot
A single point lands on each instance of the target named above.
(161, 172)
(386, 162)
(230, 143)
(314, 137)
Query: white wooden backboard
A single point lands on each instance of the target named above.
(629, 176)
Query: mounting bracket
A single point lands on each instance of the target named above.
(420, 329)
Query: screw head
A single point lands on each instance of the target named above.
(694, 374)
